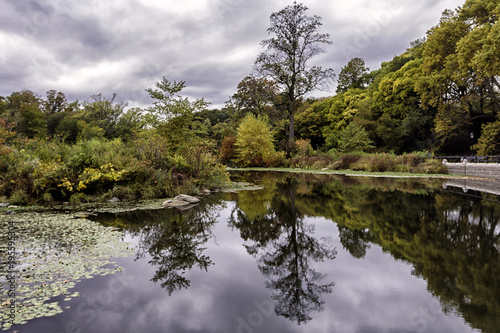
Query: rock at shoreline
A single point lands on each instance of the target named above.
(187, 198)
(114, 199)
(174, 203)
(181, 201)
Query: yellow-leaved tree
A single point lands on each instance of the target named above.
(255, 143)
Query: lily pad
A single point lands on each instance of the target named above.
(52, 252)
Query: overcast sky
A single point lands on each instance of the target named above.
(105, 46)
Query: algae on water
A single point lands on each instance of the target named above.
(53, 251)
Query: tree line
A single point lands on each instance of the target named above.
(440, 96)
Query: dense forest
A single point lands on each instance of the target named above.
(441, 96)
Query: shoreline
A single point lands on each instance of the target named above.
(352, 173)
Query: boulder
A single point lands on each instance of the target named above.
(187, 198)
(114, 199)
(174, 203)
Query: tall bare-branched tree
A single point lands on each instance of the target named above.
(296, 41)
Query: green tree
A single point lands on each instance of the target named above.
(172, 114)
(130, 122)
(55, 102)
(489, 142)
(286, 59)
(311, 120)
(342, 110)
(254, 141)
(353, 75)
(457, 77)
(102, 113)
(354, 137)
(24, 109)
(68, 129)
(255, 95)
(402, 124)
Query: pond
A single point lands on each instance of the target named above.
(307, 253)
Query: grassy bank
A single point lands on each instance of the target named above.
(417, 164)
(353, 173)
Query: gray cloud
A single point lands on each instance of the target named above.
(84, 48)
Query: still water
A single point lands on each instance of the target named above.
(308, 253)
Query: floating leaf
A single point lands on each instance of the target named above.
(53, 252)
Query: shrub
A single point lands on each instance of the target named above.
(47, 198)
(153, 149)
(55, 178)
(103, 178)
(290, 148)
(304, 148)
(376, 163)
(275, 160)
(431, 166)
(79, 198)
(19, 197)
(347, 160)
(227, 151)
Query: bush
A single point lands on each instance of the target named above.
(277, 159)
(304, 148)
(203, 167)
(153, 149)
(346, 161)
(19, 197)
(227, 151)
(289, 148)
(375, 163)
(313, 162)
(431, 166)
(51, 170)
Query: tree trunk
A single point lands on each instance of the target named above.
(291, 133)
(493, 96)
(489, 84)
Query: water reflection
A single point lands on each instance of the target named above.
(452, 241)
(283, 244)
(172, 240)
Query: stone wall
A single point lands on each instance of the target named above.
(489, 185)
(482, 170)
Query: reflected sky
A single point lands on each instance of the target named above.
(374, 294)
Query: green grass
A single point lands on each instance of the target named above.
(354, 173)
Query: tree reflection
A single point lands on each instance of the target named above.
(284, 245)
(356, 242)
(172, 239)
(177, 248)
(451, 239)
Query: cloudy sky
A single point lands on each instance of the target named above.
(124, 46)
